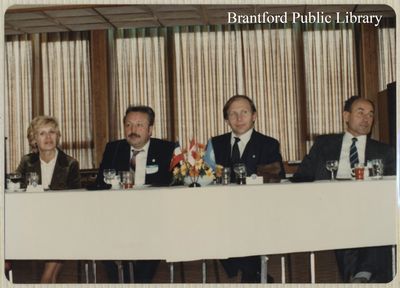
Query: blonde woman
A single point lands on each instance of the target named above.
(56, 169)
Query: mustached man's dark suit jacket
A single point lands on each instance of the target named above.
(66, 170)
(376, 260)
(117, 156)
(260, 150)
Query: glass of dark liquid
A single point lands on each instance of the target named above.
(127, 179)
(240, 173)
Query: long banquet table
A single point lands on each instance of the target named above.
(213, 222)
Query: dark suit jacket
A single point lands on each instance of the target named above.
(117, 156)
(66, 170)
(376, 260)
(260, 150)
(328, 147)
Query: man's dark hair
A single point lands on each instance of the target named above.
(233, 99)
(349, 102)
(143, 109)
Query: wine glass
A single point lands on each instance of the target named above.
(240, 173)
(109, 175)
(15, 177)
(33, 178)
(14, 181)
(332, 165)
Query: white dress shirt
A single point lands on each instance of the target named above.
(244, 139)
(344, 170)
(47, 170)
(141, 163)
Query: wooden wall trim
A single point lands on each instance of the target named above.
(37, 78)
(368, 69)
(99, 85)
(304, 136)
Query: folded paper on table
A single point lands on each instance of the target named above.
(37, 188)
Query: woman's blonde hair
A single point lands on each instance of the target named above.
(37, 123)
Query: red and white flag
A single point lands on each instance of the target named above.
(177, 156)
(191, 150)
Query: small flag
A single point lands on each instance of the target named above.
(209, 156)
(192, 149)
(177, 156)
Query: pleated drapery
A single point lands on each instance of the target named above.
(139, 78)
(387, 56)
(18, 99)
(66, 91)
(331, 76)
(186, 75)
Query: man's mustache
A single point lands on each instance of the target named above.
(133, 134)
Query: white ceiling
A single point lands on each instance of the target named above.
(37, 19)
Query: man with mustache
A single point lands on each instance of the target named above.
(371, 264)
(150, 159)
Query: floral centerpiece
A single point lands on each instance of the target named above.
(193, 170)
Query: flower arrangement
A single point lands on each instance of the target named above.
(193, 166)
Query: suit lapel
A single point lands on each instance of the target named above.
(60, 170)
(124, 156)
(226, 149)
(151, 160)
(370, 150)
(333, 150)
(35, 164)
(249, 150)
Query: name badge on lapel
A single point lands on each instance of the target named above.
(151, 169)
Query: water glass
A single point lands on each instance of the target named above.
(109, 175)
(375, 168)
(240, 173)
(332, 166)
(32, 179)
(14, 181)
(226, 175)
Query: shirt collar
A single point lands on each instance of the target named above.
(244, 137)
(52, 161)
(145, 148)
(360, 139)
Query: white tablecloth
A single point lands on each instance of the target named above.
(214, 222)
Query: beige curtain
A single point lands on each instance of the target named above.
(271, 79)
(387, 56)
(214, 63)
(18, 100)
(208, 64)
(331, 76)
(66, 91)
(139, 76)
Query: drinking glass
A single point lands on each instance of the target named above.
(226, 175)
(358, 171)
(109, 175)
(127, 179)
(240, 173)
(15, 177)
(375, 168)
(332, 166)
(13, 181)
(33, 178)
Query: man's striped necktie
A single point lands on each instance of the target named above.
(353, 153)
